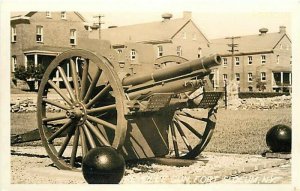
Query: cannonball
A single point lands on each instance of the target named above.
(103, 165)
(279, 138)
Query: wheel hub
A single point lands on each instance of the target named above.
(78, 113)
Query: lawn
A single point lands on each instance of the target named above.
(237, 131)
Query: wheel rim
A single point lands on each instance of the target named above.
(191, 133)
(91, 107)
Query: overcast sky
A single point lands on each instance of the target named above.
(215, 18)
(213, 25)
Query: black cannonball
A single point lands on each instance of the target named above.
(103, 165)
(279, 138)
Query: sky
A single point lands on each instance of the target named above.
(213, 25)
(215, 18)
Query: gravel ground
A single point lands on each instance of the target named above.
(31, 165)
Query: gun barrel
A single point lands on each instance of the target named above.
(174, 71)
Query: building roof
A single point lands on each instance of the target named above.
(27, 15)
(247, 44)
(153, 32)
(46, 49)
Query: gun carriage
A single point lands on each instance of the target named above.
(165, 112)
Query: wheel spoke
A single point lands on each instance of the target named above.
(58, 117)
(58, 90)
(102, 122)
(66, 82)
(194, 117)
(84, 79)
(189, 127)
(83, 142)
(175, 145)
(98, 96)
(74, 77)
(75, 147)
(57, 104)
(102, 109)
(59, 131)
(183, 136)
(98, 134)
(89, 137)
(92, 86)
(66, 142)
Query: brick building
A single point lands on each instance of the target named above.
(168, 36)
(38, 37)
(263, 61)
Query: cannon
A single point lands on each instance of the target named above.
(168, 112)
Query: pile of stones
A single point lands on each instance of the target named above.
(29, 105)
(262, 103)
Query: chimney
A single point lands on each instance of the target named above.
(263, 31)
(282, 29)
(166, 16)
(187, 14)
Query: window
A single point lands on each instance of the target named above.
(263, 59)
(263, 76)
(63, 15)
(250, 78)
(250, 89)
(215, 77)
(237, 61)
(237, 77)
(199, 52)
(13, 63)
(48, 14)
(249, 60)
(179, 51)
(39, 33)
(160, 51)
(132, 54)
(194, 36)
(13, 34)
(73, 36)
(225, 78)
(224, 61)
(280, 46)
(277, 59)
(291, 60)
(184, 35)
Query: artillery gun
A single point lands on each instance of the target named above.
(144, 115)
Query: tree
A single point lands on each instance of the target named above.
(261, 86)
(31, 74)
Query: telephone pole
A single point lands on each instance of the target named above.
(232, 45)
(99, 23)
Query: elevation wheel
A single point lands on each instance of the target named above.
(88, 101)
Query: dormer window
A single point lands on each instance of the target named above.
(63, 15)
(48, 14)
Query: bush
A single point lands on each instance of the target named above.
(31, 74)
(243, 95)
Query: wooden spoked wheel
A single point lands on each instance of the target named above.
(191, 131)
(88, 99)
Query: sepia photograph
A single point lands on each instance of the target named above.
(179, 94)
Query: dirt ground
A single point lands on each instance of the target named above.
(31, 165)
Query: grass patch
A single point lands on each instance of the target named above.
(239, 131)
